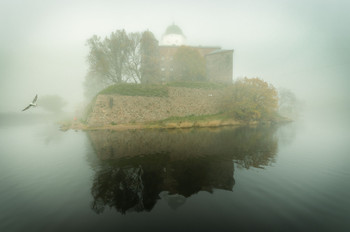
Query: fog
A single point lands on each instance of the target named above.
(290, 177)
(299, 45)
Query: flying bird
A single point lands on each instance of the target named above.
(32, 103)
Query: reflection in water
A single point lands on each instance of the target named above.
(137, 168)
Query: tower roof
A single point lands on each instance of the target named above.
(173, 29)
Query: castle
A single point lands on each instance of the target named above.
(218, 62)
(115, 109)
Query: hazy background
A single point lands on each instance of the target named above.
(300, 45)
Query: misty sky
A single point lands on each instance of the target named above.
(300, 45)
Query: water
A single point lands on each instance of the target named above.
(292, 177)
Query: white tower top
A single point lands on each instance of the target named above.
(173, 36)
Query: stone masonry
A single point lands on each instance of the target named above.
(118, 109)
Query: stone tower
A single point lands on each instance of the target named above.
(218, 62)
(173, 36)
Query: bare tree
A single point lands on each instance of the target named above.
(133, 66)
(121, 57)
(117, 58)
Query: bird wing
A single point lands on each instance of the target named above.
(26, 108)
(36, 98)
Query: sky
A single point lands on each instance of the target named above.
(299, 45)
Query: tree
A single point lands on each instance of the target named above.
(97, 59)
(150, 65)
(189, 65)
(93, 84)
(121, 57)
(52, 103)
(251, 100)
(116, 59)
(289, 105)
(117, 49)
(133, 66)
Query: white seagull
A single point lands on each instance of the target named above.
(32, 103)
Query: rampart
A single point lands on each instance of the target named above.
(119, 109)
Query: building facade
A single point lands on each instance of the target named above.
(219, 63)
(219, 66)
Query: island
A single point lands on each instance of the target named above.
(179, 105)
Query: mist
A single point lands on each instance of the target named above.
(298, 45)
(200, 174)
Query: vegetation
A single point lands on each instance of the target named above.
(251, 100)
(93, 84)
(195, 118)
(196, 85)
(289, 105)
(155, 90)
(117, 59)
(150, 64)
(212, 120)
(109, 59)
(189, 65)
(129, 89)
(128, 64)
(246, 100)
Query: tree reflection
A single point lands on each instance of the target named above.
(137, 168)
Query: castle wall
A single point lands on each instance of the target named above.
(219, 66)
(167, 53)
(117, 109)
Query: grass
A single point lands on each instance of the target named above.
(128, 89)
(197, 85)
(156, 90)
(193, 118)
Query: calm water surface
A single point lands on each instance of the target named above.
(292, 177)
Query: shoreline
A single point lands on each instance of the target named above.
(74, 125)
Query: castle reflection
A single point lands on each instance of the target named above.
(137, 168)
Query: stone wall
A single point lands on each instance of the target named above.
(167, 54)
(117, 109)
(219, 66)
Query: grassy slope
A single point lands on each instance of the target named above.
(137, 90)
(155, 90)
(197, 85)
(194, 118)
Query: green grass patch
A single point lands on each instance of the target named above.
(127, 89)
(193, 118)
(197, 85)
